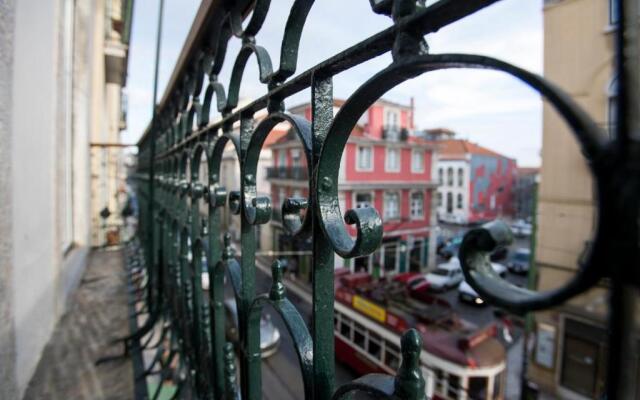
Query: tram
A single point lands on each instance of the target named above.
(459, 360)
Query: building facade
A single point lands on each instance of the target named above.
(383, 166)
(54, 84)
(524, 192)
(475, 184)
(568, 350)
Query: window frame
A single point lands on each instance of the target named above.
(387, 166)
(359, 166)
(450, 177)
(411, 208)
(415, 153)
(355, 196)
(387, 195)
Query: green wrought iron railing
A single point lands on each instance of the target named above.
(176, 239)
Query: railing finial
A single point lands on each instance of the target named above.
(277, 287)
(409, 383)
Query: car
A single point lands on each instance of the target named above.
(467, 294)
(445, 276)
(269, 334)
(520, 261)
(499, 269)
(521, 228)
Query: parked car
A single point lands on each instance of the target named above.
(269, 334)
(445, 276)
(467, 294)
(521, 228)
(520, 261)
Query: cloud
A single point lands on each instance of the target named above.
(485, 106)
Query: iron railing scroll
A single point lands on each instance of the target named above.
(181, 242)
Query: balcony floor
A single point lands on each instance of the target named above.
(97, 313)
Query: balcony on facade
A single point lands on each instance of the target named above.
(295, 173)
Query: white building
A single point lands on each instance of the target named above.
(62, 64)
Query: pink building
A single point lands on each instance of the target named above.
(476, 184)
(383, 166)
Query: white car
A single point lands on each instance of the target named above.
(445, 276)
(468, 294)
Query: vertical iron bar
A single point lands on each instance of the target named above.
(152, 151)
(622, 356)
(322, 256)
(250, 372)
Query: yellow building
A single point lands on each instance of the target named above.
(568, 356)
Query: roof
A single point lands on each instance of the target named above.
(340, 102)
(451, 148)
(274, 136)
(528, 170)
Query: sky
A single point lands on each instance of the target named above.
(486, 107)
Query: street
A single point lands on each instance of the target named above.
(281, 377)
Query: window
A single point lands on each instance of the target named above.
(449, 202)
(345, 329)
(492, 201)
(460, 177)
(365, 159)
(363, 200)
(459, 203)
(358, 335)
(282, 158)
(440, 176)
(392, 120)
(583, 358)
(449, 176)
(375, 345)
(392, 356)
(392, 159)
(295, 156)
(417, 161)
(439, 195)
(439, 376)
(614, 12)
(417, 205)
(478, 387)
(454, 385)
(391, 205)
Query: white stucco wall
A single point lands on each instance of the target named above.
(458, 215)
(37, 273)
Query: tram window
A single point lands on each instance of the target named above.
(454, 385)
(375, 345)
(345, 329)
(439, 379)
(358, 335)
(478, 387)
(392, 356)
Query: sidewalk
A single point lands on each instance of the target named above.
(98, 313)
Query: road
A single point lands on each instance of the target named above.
(281, 377)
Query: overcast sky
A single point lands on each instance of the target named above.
(485, 107)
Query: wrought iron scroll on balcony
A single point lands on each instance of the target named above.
(179, 244)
